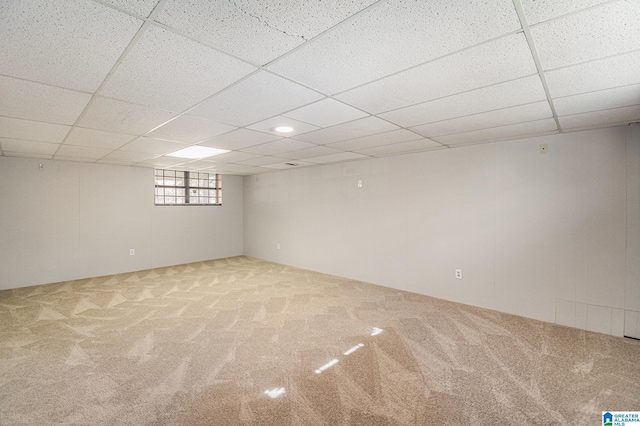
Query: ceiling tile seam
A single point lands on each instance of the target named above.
(576, 12)
(46, 84)
(291, 80)
(596, 91)
(505, 139)
(35, 121)
(357, 137)
(477, 113)
(247, 126)
(422, 139)
(100, 130)
(600, 110)
(186, 112)
(417, 151)
(593, 60)
(431, 60)
(534, 53)
(119, 9)
(327, 31)
(601, 126)
(137, 104)
(136, 38)
(320, 128)
(207, 45)
(30, 140)
(455, 94)
(492, 127)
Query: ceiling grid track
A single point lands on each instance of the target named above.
(146, 24)
(536, 59)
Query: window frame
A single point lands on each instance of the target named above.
(165, 179)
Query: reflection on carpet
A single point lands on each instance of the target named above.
(241, 341)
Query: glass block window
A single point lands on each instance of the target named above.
(180, 188)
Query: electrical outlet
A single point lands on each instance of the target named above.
(278, 246)
(41, 167)
(544, 148)
(132, 252)
(359, 184)
(459, 274)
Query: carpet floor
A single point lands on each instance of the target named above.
(241, 341)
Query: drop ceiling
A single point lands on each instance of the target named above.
(129, 81)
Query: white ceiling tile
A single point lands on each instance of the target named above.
(336, 158)
(123, 117)
(72, 44)
(387, 138)
(239, 169)
(394, 36)
(289, 165)
(15, 128)
(325, 113)
(40, 102)
(602, 99)
(257, 31)
(144, 165)
(28, 147)
(27, 155)
(168, 71)
(97, 138)
(76, 159)
(315, 151)
(353, 129)
(401, 148)
(500, 60)
(593, 34)
(189, 129)
(513, 131)
(596, 75)
(601, 118)
(485, 120)
(81, 152)
(502, 95)
(153, 146)
(199, 164)
(260, 96)
(238, 139)
(164, 162)
(278, 147)
(236, 156)
(139, 7)
(542, 10)
(128, 156)
(115, 162)
(270, 124)
(261, 161)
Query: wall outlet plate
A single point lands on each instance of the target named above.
(459, 274)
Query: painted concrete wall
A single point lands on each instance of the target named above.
(77, 220)
(553, 236)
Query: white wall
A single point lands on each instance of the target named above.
(77, 220)
(554, 237)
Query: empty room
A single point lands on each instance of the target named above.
(319, 212)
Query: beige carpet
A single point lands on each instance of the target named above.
(243, 341)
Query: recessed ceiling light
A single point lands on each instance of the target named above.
(194, 152)
(284, 129)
